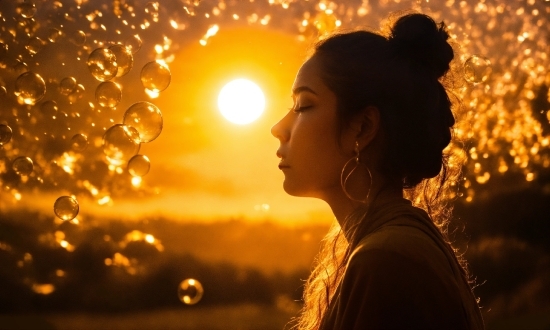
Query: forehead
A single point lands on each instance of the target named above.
(309, 76)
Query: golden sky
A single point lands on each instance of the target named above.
(207, 167)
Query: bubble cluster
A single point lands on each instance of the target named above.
(146, 118)
(102, 64)
(66, 208)
(29, 88)
(120, 143)
(139, 165)
(5, 134)
(22, 165)
(108, 94)
(155, 76)
(190, 291)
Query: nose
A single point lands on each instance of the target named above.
(280, 130)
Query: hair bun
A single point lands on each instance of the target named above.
(418, 37)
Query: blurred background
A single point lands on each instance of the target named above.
(134, 196)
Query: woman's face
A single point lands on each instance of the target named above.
(311, 158)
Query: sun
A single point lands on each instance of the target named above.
(241, 101)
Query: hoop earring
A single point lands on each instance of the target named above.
(344, 181)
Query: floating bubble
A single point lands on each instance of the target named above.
(139, 165)
(78, 38)
(120, 143)
(108, 94)
(34, 45)
(152, 8)
(3, 91)
(124, 59)
(77, 94)
(67, 85)
(29, 88)
(477, 69)
(22, 165)
(54, 34)
(49, 108)
(190, 291)
(155, 76)
(26, 9)
(20, 68)
(102, 64)
(5, 134)
(146, 118)
(79, 142)
(133, 43)
(66, 208)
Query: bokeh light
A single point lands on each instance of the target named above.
(190, 291)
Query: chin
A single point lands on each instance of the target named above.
(295, 190)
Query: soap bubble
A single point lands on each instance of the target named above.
(477, 69)
(133, 43)
(29, 88)
(66, 208)
(108, 94)
(22, 165)
(3, 91)
(79, 142)
(124, 59)
(78, 93)
(139, 165)
(146, 118)
(49, 108)
(120, 143)
(67, 85)
(20, 68)
(102, 64)
(152, 8)
(26, 9)
(54, 34)
(155, 76)
(5, 134)
(190, 291)
(34, 45)
(78, 38)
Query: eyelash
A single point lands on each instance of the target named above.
(299, 109)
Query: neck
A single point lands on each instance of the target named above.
(342, 207)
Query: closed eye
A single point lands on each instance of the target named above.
(300, 109)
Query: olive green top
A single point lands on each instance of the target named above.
(403, 275)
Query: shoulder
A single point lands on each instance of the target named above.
(397, 278)
(402, 242)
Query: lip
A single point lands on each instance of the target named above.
(283, 165)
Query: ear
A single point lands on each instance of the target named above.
(366, 126)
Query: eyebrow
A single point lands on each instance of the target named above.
(300, 89)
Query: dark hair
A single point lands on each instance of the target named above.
(399, 75)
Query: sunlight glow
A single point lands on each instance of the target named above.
(241, 101)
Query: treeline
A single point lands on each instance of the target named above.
(101, 271)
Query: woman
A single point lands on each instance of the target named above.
(369, 123)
